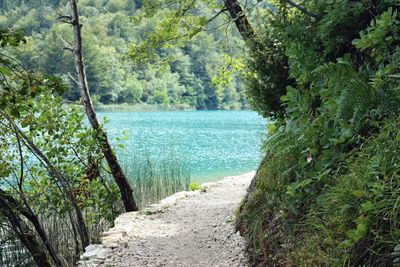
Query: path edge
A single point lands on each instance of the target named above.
(117, 236)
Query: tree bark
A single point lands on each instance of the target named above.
(60, 178)
(24, 233)
(244, 26)
(115, 168)
(242, 23)
(28, 213)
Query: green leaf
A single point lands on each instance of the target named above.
(358, 193)
(367, 206)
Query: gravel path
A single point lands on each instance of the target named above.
(195, 231)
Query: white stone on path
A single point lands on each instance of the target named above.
(186, 229)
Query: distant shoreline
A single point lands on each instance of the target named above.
(156, 107)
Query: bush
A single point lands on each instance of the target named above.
(327, 192)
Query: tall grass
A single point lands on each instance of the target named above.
(151, 182)
(12, 253)
(58, 228)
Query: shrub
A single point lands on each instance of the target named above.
(327, 192)
(193, 186)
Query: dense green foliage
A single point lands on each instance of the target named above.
(179, 75)
(328, 191)
(51, 167)
(32, 115)
(267, 77)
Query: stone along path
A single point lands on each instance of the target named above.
(188, 229)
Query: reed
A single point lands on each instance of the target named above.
(151, 182)
(59, 231)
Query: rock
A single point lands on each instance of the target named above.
(96, 252)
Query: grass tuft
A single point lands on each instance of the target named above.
(193, 186)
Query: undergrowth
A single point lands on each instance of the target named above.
(328, 190)
(151, 181)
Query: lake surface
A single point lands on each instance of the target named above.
(210, 144)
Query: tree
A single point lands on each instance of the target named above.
(109, 34)
(115, 167)
(58, 176)
(19, 91)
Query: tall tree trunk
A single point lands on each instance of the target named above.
(24, 233)
(115, 167)
(242, 23)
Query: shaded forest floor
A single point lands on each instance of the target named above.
(186, 229)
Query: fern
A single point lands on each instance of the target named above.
(356, 101)
(335, 71)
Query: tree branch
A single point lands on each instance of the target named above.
(65, 18)
(66, 45)
(217, 14)
(302, 9)
(73, 78)
(8, 207)
(58, 176)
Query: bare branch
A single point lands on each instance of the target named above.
(217, 14)
(73, 78)
(302, 9)
(21, 158)
(187, 8)
(64, 18)
(6, 239)
(66, 45)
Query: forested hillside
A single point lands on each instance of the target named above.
(179, 75)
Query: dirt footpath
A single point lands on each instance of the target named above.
(187, 229)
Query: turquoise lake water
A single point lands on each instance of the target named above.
(210, 144)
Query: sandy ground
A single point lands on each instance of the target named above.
(189, 230)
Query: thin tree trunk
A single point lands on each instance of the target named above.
(115, 167)
(59, 177)
(25, 209)
(24, 233)
(28, 213)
